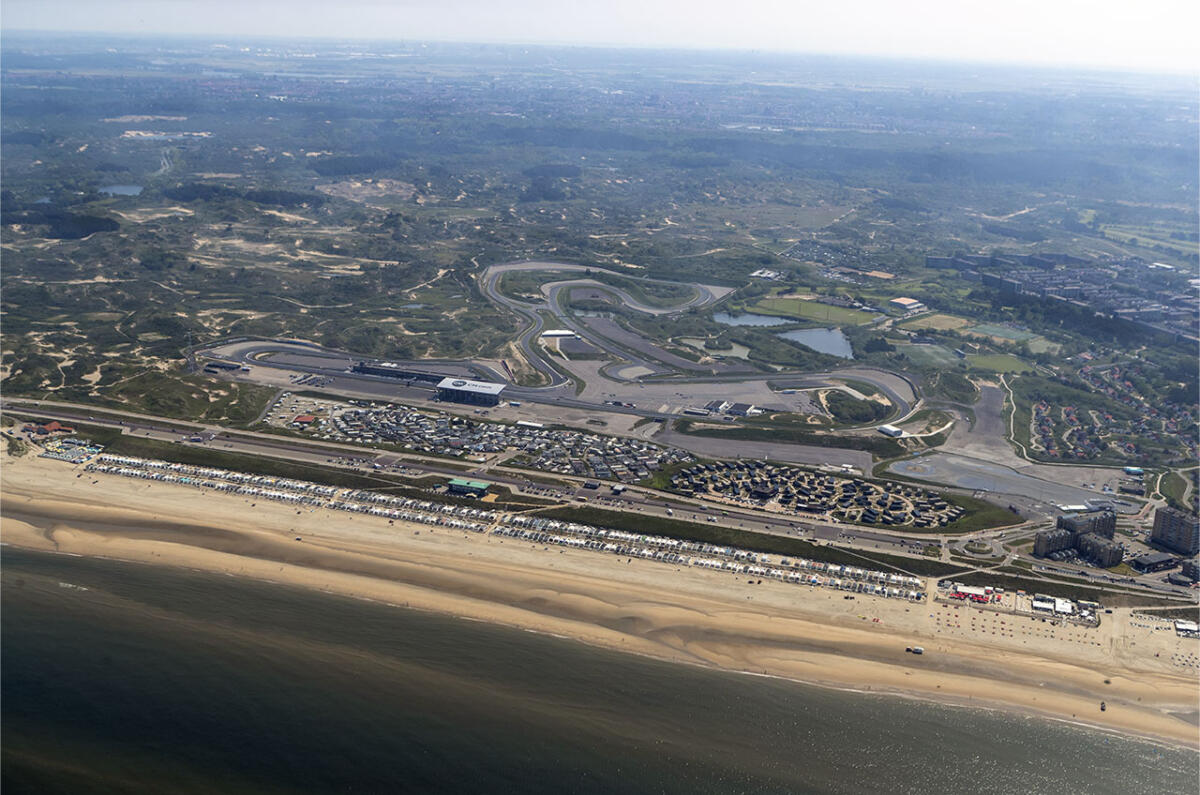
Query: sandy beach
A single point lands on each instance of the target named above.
(686, 615)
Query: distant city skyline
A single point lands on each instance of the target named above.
(1152, 35)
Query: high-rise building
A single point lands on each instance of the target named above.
(1083, 532)
(1103, 523)
(1047, 542)
(1176, 530)
(1191, 569)
(1099, 550)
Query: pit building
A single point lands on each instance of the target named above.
(478, 393)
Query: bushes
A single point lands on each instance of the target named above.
(876, 445)
(343, 166)
(851, 410)
(199, 191)
(62, 225)
(952, 386)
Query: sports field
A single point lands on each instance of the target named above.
(937, 322)
(1043, 345)
(999, 363)
(929, 355)
(1002, 333)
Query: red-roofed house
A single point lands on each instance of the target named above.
(53, 426)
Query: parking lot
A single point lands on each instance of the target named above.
(523, 443)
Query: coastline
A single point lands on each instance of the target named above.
(701, 618)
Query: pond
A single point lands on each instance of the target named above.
(121, 190)
(749, 319)
(824, 340)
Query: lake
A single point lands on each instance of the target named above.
(121, 190)
(750, 319)
(823, 340)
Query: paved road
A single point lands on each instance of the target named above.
(295, 357)
(313, 359)
(569, 489)
(712, 447)
(527, 340)
(636, 499)
(987, 436)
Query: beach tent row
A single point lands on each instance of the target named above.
(410, 516)
(221, 479)
(890, 580)
(532, 528)
(291, 497)
(656, 553)
(213, 473)
(462, 511)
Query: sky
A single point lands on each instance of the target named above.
(1141, 35)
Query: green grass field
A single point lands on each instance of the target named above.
(999, 363)
(1043, 345)
(1173, 486)
(929, 355)
(1001, 332)
(1149, 236)
(811, 310)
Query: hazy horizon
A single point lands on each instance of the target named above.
(1155, 36)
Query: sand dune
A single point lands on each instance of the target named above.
(688, 615)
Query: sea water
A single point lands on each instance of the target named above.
(122, 677)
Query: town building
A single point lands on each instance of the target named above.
(1047, 542)
(1081, 533)
(1191, 569)
(468, 488)
(395, 370)
(1101, 551)
(767, 273)
(906, 304)
(1178, 531)
(52, 427)
(1103, 523)
(1153, 561)
(460, 390)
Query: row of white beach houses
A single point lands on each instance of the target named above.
(535, 529)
